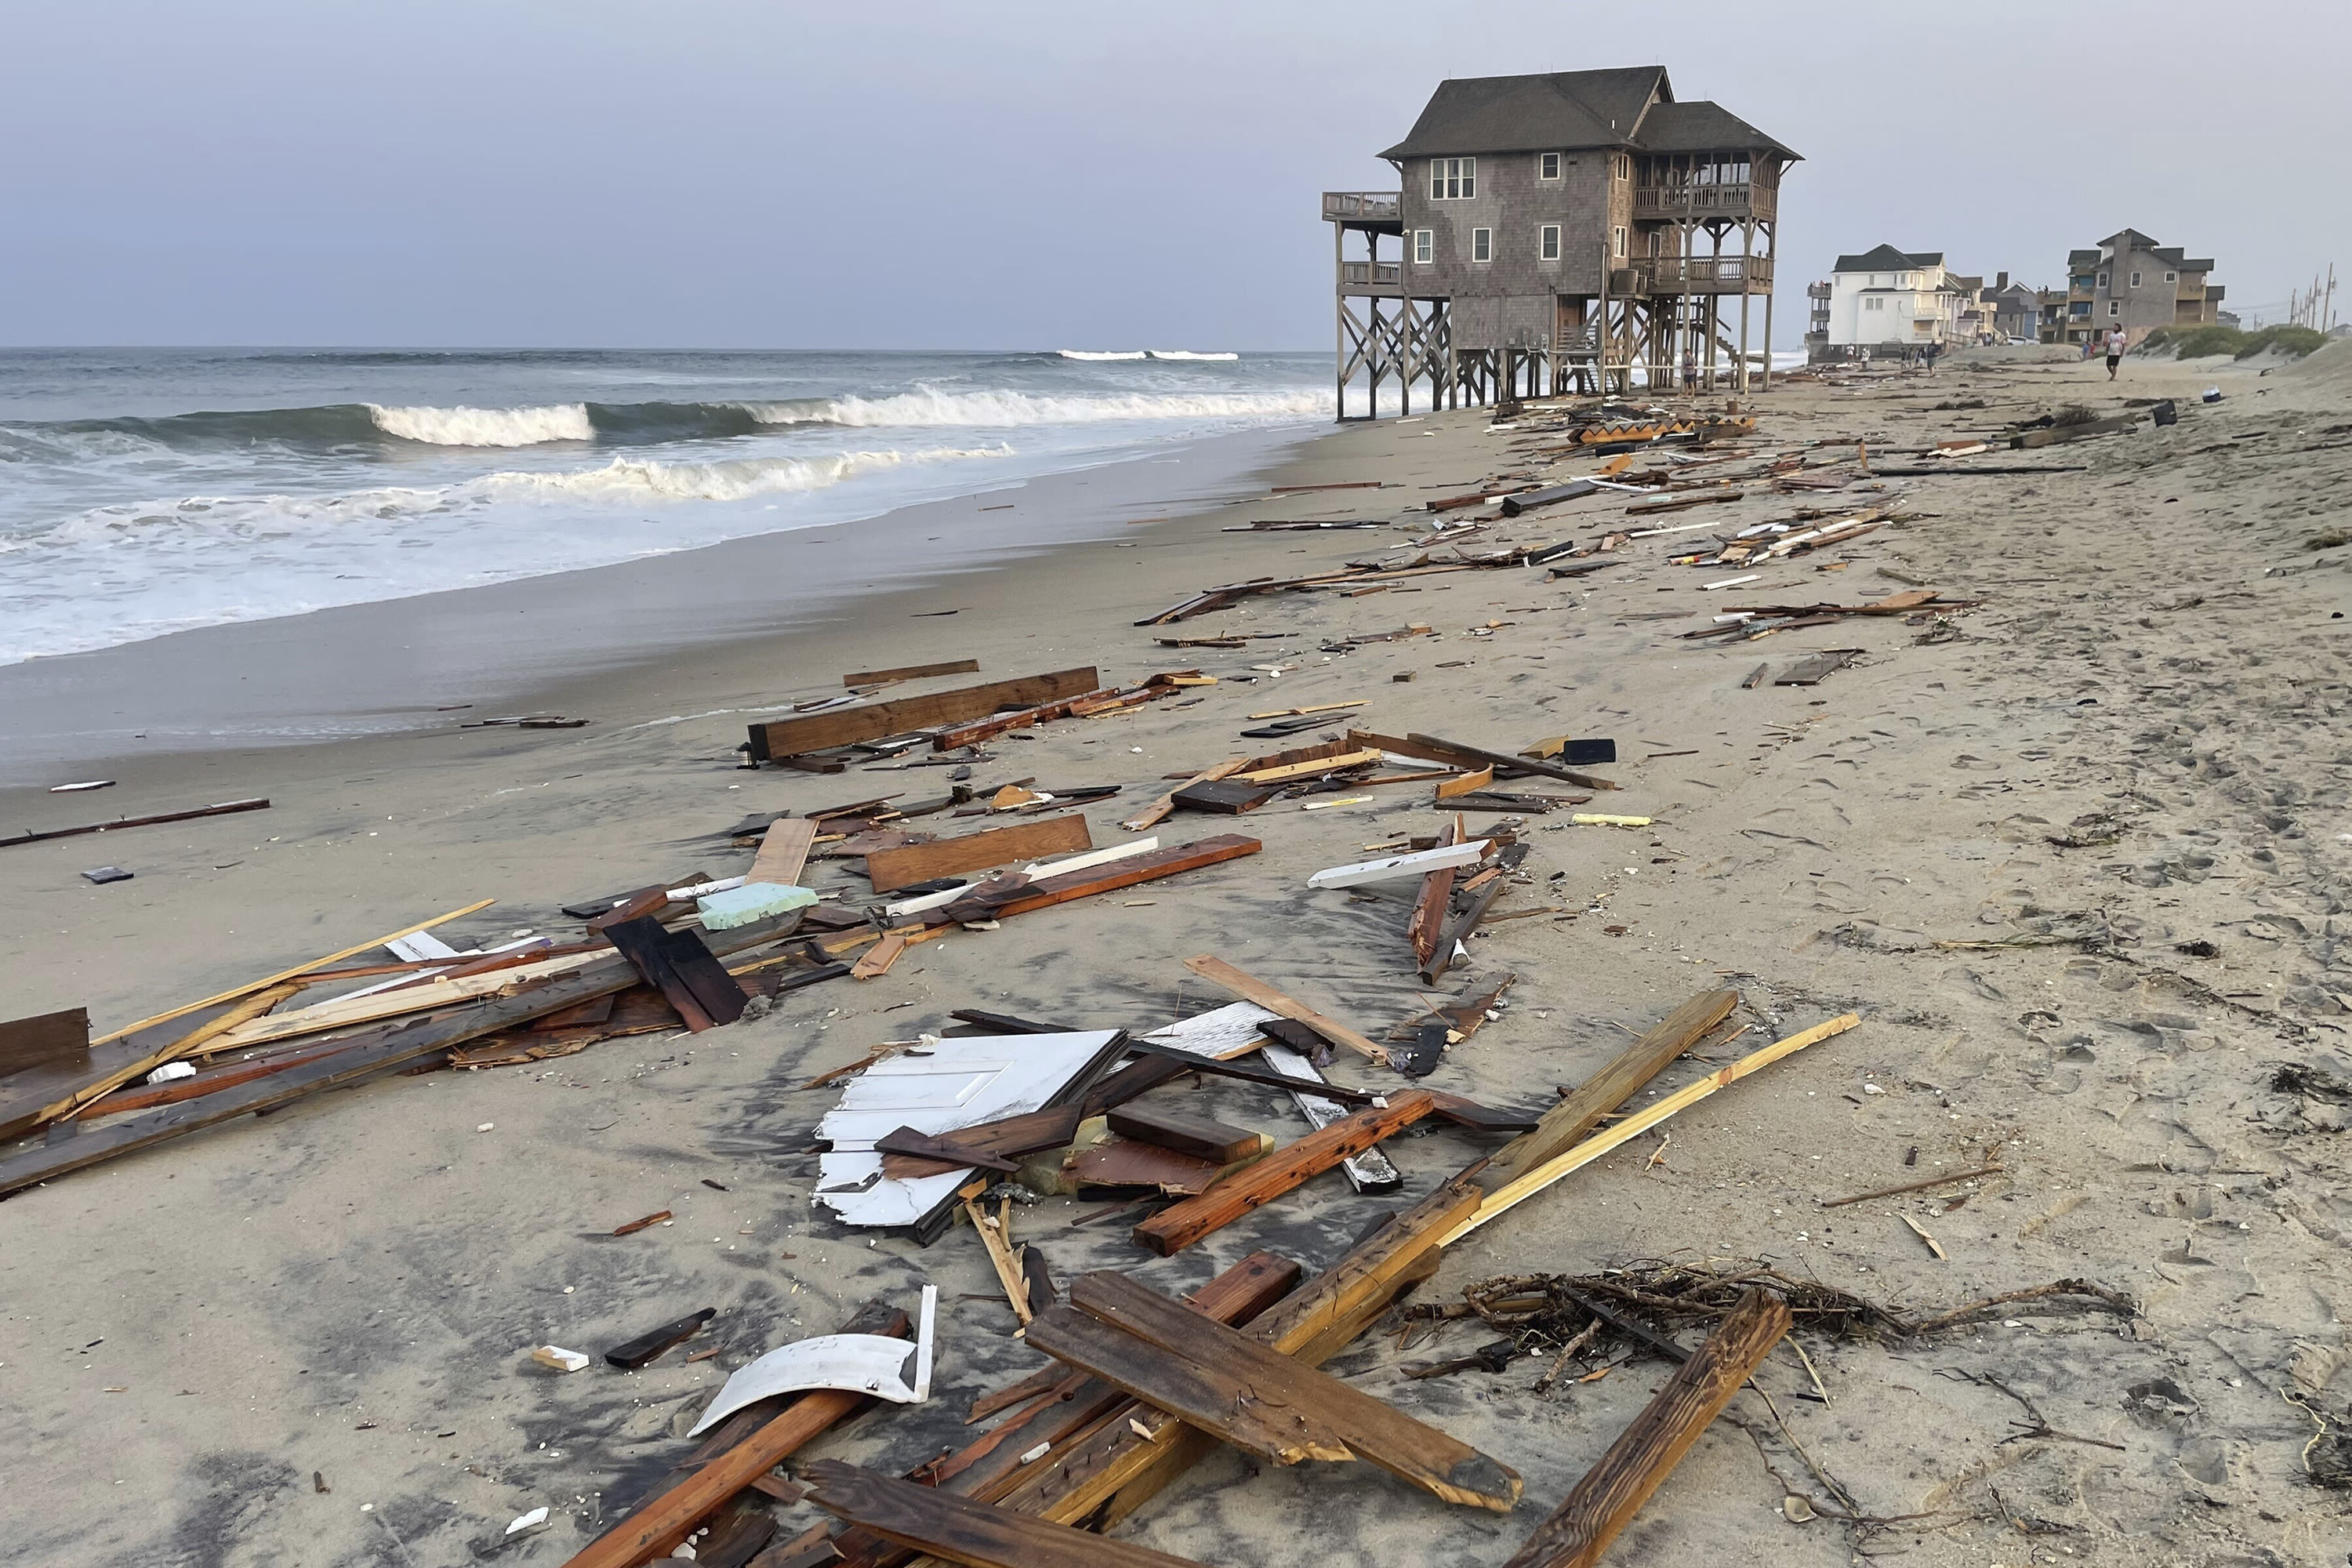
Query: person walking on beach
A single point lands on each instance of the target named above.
(1690, 372)
(2114, 349)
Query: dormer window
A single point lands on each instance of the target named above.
(1547, 165)
(1452, 179)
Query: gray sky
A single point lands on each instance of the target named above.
(732, 173)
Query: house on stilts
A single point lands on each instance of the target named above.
(1557, 234)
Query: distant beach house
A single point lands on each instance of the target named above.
(1559, 231)
(2014, 310)
(1885, 299)
(2128, 281)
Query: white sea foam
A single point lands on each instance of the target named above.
(733, 478)
(1099, 355)
(1187, 353)
(931, 406)
(485, 427)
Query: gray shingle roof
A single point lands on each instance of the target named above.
(1886, 258)
(1561, 110)
(1701, 126)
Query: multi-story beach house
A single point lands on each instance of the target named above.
(2128, 281)
(2013, 311)
(1887, 300)
(1560, 230)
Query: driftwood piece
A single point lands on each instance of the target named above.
(912, 672)
(223, 809)
(1173, 1229)
(1605, 1501)
(1253, 1396)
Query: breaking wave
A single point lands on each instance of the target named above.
(1098, 355)
(932, 406)
(1187, 353)
(734, 479)
(485, 426)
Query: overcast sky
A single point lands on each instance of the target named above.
(734, 173)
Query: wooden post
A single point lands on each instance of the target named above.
(1340, 327)
(1770, 231)
(1747, 285)
(1605, 1501)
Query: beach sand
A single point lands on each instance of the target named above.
(2136, 741)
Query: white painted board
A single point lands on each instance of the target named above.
(1390, 867)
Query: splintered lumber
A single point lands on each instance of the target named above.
(680, 967)
(973, 734)
(1679, 503)
(783, 852)
(748, 1445)
(991, 1229)
(223, 809)
(370, 1006)
(1614, 1491)
(1311, 768)
(1177, 1227)
(1199, 1136)
(1536, 1178)
(911, 673)
(875, 720)
(877, 959)
(1250, 1395)
(995, 903)
(45, 1040)
(904, 866)
(1167, 803)
(1115, 1469)
(1436, 751)
(1436, 895)
(149, 1063)
(1217, 972)
(1618, 1081)
(909, 1153)
(956, 1530)
(386, 1045)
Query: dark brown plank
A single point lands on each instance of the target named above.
(1567, 1123)
(58, 1039)
(1313, 1414)
(649, 950)
(1007, 1138)
(973, 734)
(1605, 1501)
(959, 1530)
(1199, 1136)
(640, 1350)
(223, 809)
(912, 672)
(1128, 1162)
(873, 721)
(905, 866)
(1047, 891)
(1227, 797)
(943, 1152)
(1461, 756)
(1173, 1229)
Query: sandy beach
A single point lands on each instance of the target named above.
(2078, 855)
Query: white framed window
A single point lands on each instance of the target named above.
(2172, 278)
(1424, 247)
(1873, 303)
(1452, 179)
(1482, 245)
(2134, 280)
(2103, 279)
(1617, 241)
(2115, 307)
(1547, 165)
(1548, 242)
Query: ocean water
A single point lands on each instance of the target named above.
(148, 492)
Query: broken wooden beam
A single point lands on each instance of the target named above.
(906, 865)
(680, 967)
(1167, 803)
(997, 903)
(1619, 1079)
(1251, 1395)
(912, 672)
(1432, 749)
(973, 734)
(956, 1530)
(1199, 1136)
(223, 809)
(1612, 1491)
(1177, 1227)
(876, 721)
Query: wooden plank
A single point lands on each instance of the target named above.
(1173, 1229)
(1160, 808)
(59, 1039)
(1217, 972)
(901, 867)
(660, 1522)
(875, 720)
(344, 1012)
(980, 729)
(1225, 798)
(1535, 1179)
(1007, 1138)
(1312, 1414)
(1313, 767)
(959, 1530)
(783, 852)
(1130, 1162)
(1460, 756)
(1614, 1491)
(1436, 895)
(223, 809)
(1199, 1136)
(681, 967)
(912, 672)
(1619, 1079)
(1465, 784)
(877, 959)
(938, 1154)
(1045, 892)
(2058, 435)
(147, 1096)
(991, 1229)
(1115, 1469)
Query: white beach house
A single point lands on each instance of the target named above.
(1889, 297)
